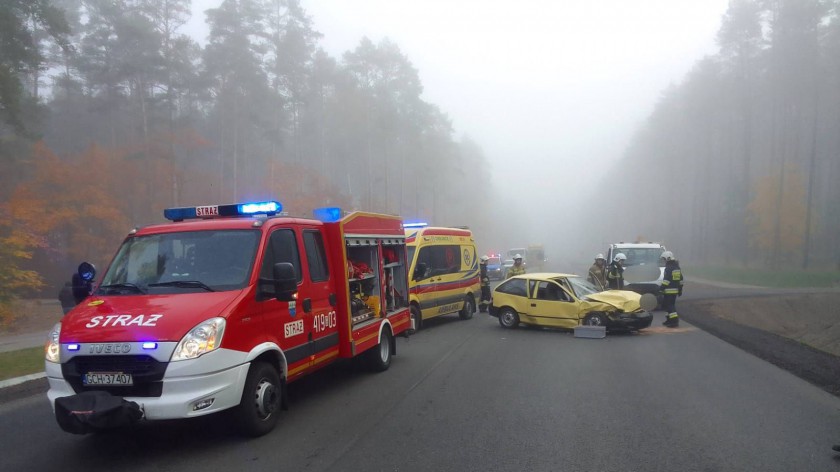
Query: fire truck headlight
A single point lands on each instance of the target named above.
(202, 339)
(52, 348)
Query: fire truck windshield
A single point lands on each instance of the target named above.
(185, 261)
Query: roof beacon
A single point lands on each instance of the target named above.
(269, 208)
(415, 224)
(327, 214)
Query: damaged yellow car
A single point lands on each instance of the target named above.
(565, 301)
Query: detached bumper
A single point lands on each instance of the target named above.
(630, 321)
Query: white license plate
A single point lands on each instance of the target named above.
(107, 378)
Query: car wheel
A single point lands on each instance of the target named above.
(595, 319)
(417, 316)
(468, 309)
(259, 408)
(379, 358)
(508, 318)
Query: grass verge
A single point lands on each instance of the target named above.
(768, 278)
(22, 362)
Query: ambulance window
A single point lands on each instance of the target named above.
(424, 257)
(281, 247)
(314, 244)
(445, 259)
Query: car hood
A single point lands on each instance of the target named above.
(621, 299)
(136, 318)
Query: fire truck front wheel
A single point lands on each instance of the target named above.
(257, 413)
(379, 357)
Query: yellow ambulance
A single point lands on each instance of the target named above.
(443, 272)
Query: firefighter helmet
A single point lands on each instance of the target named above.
(620, 257)
(600, 256)
(668, 256)
(518, 256)
(484, 259)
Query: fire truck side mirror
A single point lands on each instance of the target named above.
(285, 281)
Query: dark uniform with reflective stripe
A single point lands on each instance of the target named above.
(672, 287)
(615, 276)
(485, 282)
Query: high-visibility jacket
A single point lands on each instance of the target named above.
(515, 270)
(672, 279)
(615, 276)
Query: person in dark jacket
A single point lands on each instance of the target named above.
(484, 279)
(615, 273)
(672, 287)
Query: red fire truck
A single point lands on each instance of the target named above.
(221, 308)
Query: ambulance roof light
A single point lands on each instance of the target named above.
(327, 214)
(415, 224)
(268, 208)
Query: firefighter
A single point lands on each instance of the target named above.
(598, 272)
(615, 273)
(485, 281)
(517, 268)
(672, 287)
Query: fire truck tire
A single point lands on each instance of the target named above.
(469, 308)
(259, 408)
(417, 316)
(379, 358)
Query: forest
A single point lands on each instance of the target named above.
(110, 112)
(739, 163)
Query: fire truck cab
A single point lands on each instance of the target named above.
(221, 308)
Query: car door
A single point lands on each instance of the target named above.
(551, 305)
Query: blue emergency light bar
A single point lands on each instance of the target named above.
(327, 214)
(415, 224)
(269, 208)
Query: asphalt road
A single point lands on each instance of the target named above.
(469, 395)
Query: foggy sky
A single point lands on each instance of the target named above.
(552, 91)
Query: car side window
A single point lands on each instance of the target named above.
(550, 291)
(282, 247)
(316, 256)
(513, 287)
(424, 257)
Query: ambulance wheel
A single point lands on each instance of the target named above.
(468, 310)
(379, 357)
(259, 408)
(508, 318)
(417, 316)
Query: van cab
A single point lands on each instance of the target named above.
(443, 272)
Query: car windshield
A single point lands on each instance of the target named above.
(582, 287)
(641, 256)
(508, 262)
(184, 261)
(494, 261)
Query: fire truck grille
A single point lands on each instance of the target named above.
(147, 374)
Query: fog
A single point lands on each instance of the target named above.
(708, 126)
(551, 91)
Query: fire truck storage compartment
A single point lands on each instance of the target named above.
(396, 281)
(363, 276)
(373, 290)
